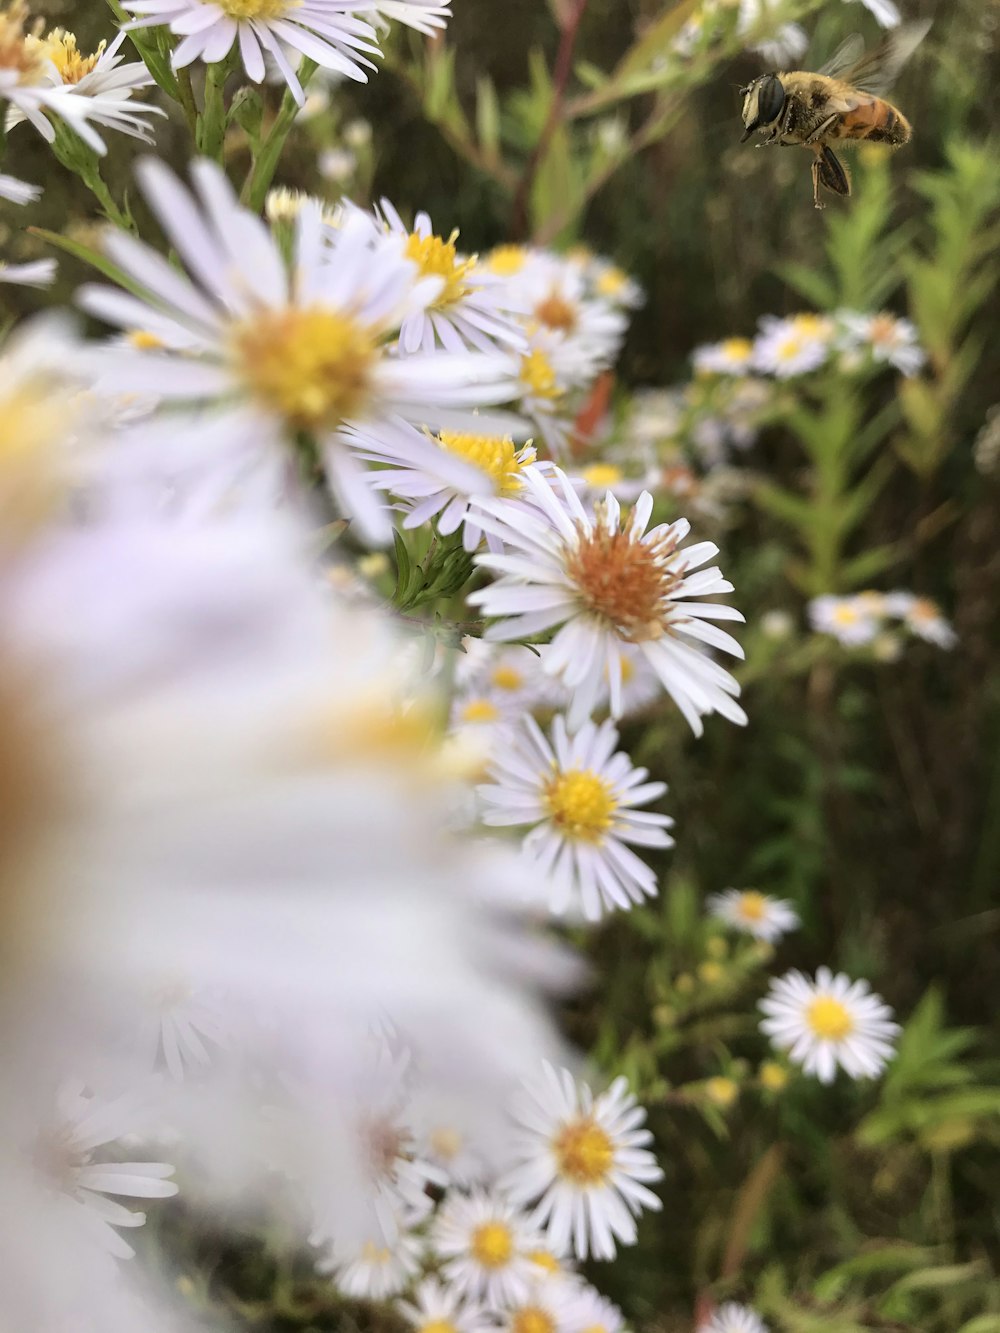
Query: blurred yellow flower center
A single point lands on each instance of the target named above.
(506, 260)
(312, 366)
(538, 375)
(438, 1326)
(601, 475)
(829, 1019)
(19, 50)
(257, 9)
(32, 430)
(773, 1076)
(438, 259)
(737, 349)
(610, 282)
(544, 1260)
(883, 329)
(623, 581)
(722, 1091)
(846, 614)
(60, 48)
(446, 1142)
(496, 455)
(581, 804)
(506, 677)
(789, 348)
(480, 710)
(492, 1245)
(811, 326)
(923, 609)
(556, 313)
(531, 1319)
(375, 1254)
(144, 341)
(752, 906)
(584, 1152)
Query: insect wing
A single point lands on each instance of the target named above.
(847, 54)
(877, 71)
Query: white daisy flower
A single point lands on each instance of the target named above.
(18, 192)
(594, 1313)
(595, 479)
(608, 584)
(511, 677)
(788, 347)
(35, 273)
(551, 1305)
(580, 797)
(472, 308)
(438, 1308)
(924, 619)
(892, 341)
(884, 12)
(849, 620)
(754, 913)
(485, 1243)
(184, 1028)
(27, 76)
(439, 476)
(426, 16)
(289, 352)
(612, 284)
(829, 1022)
(64, 1154)
(547, 372)
(374, 1271)
(326, 31)
(733, 356)
(733, 1318)
(584, 1160)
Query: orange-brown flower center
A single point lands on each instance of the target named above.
(624, 581)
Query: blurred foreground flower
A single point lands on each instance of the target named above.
(733, 1318)
(829, 1022)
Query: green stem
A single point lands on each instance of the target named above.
(264, 165)
(211, 129)
(185, 94)
(84, 163)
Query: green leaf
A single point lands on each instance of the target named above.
(487, 116)
(87, 255)
(656, 41)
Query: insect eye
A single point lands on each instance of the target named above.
(770, 99)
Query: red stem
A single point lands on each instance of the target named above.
(560, 79)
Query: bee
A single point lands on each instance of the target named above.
(839, 104)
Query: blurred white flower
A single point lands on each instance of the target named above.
(580, 798)
(594, 1313)
(733, 1318)
(18, 192)
(829, 1022)
(892, 341)
(883, 11)
(285, 351)
(336, 164)
(326, 31)
(374, 1271)
(755, 913)
(437, 1308)
(850, 620)
(922, 617)
(733, 356)
(609, 583)
(583, 1161)
(552, 1304)
(793, 346)
(485, 1243)
(426, 16)
(777, 624)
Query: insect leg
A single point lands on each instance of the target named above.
(832, 172)
(822, 128)
(817, 202)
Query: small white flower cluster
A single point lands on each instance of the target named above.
(798, 344)
(862, 619)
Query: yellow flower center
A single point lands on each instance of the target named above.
(257, 9)
(532, 1319)
(144, 341)
(610, 282)
(375, 1254)
(829, 1019)
(737, 349)
(846, 614)
(438, 1326)
(506, 260)
(722, 1091)
(73, 65)
(883, 330)
(496, 455)
(33, 426)
(923, 610)
(752, 906)
(492, 1244)
(773, 1076)
(312, 366)
(580, 804)
(480, 710)
(602, 475)
(789, 348)
(506, 677)
(446, 1142)
(544, 1260)
(538, 375)
(556, 313)
(437, 258)
(623, 581)
(811, 326)
(584, 1152)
